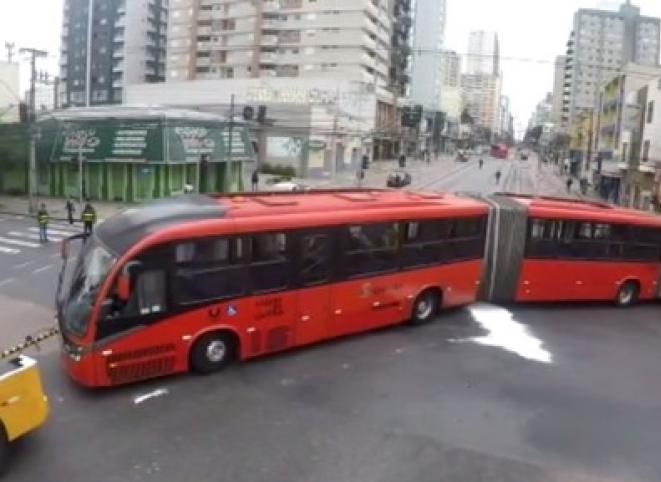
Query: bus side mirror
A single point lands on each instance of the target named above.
(124, 281)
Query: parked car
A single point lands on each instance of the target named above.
(288, 186)
(398, 179)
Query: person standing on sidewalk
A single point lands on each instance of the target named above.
(402, 161)
(498, 174)
(88, 218)
(570, 182)
(42, 220)
(71, 209)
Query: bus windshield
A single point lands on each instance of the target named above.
(94, 264)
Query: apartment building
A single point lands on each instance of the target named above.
(426, 63)
(108, 44)
(558, 90)
(481, 99)
(223, 39)
(600, 43)
(483, 53)
(451, 102)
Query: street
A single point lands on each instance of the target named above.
(529, 393)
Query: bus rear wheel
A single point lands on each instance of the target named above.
(628, 294)
(213, 352)
(425, 307)
(4, 450)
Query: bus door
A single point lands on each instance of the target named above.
(315, 273)
(145, 353)
(274, 298)
(370, 297)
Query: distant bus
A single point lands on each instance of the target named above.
(195, 282)
(499, 151)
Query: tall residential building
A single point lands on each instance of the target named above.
(451, 102)
(342, 39)
(428, 41)
(558, 89)
(601, 42)
(483, 53)
(481, 98)
(126, 41)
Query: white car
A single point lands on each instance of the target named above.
(287, 186)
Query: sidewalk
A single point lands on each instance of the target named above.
(549, 175)
(375, 177)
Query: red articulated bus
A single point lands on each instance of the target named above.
(568, 250)
(499, 151)
(195, 282)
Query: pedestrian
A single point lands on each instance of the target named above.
(570, 181)
(365, 162)
(498, 174)
(255, 180)
(481, 162)
(71, 209)
(584, 185)
(360, 175)
(402, 161)
(88, 218)
(42, 220)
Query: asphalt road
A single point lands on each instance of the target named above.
(546, 393)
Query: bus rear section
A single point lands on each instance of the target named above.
(548, 250)
(265, 273)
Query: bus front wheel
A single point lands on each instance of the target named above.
(628, 294)
(213, 352)
(425, 307)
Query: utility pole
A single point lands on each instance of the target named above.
(34, 55)
(32, 168)
(10, 46)
(228, 161)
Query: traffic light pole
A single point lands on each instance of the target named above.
(228, 162)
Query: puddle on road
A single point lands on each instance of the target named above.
(505, 332)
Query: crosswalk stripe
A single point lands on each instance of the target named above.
(66, 227)
(33, 236)
(54, 231)
(6, 250)
(18, 242)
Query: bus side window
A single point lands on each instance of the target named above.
(270, 268)
(150, 292)
(315, 261)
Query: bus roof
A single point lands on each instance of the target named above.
(567, 208)
(320, 201)
(127, 228)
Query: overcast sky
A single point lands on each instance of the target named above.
(532, 33)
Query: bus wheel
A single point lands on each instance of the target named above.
(425, 307)
(213, 352)
(4, 450)
(628, 294)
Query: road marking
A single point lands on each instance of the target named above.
(32, 236)
(7, 281)
(42, 269)
(23, 265)
(18, 242)
(66, 227)
(156, 393)
(9, 250)
(54, 231)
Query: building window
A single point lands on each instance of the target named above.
(646, 150)
(650, 112)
